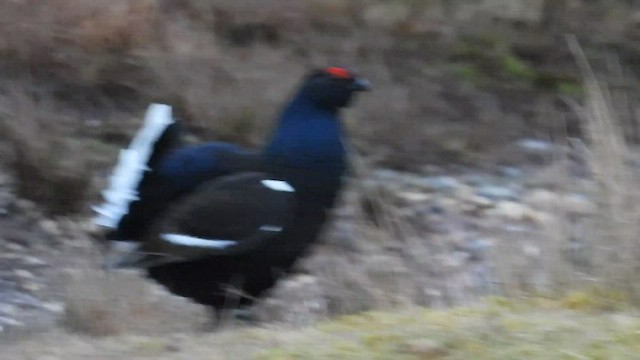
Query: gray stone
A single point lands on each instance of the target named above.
(33, 261)
(477, 179)
(386, 174)
(541, 199)
(24, 274)
(479, 202)
(50, 227)
(438, 183)
(497, 192)
(509, 210)
(9, 296)
(478, 247)
(531, 251)
(511, 172)
(572, 203)
(412, 197)
(7, 310)
(54, 307)
(9, 321)
(578, 204)
(25, 205)
(534, 146)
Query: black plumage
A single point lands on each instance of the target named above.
(208, 218)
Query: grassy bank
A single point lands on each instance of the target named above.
(498, 329)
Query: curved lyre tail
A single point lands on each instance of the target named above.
(132, 164)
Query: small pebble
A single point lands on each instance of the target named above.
(413, 197)
(438, 183)
(50, 227)
(9, 321)
(511, 172)
(509, 210)
(497, 192)
(25, 274)
(54, 307)
(32, 260)
(535, 146)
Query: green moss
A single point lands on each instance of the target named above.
(469, 73)
(487, 60)
(569, 88)
(517, 69)
(485, 67)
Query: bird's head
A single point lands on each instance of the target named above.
(333, 87)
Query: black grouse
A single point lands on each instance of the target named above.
(214, 219)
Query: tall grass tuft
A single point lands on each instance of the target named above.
(613, 237)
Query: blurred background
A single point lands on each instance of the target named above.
(496, 156)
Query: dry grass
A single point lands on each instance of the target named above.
(596, 251)
(78, 42)
(613, 243)
(226, 66)
(499, 329)
(98, 303)
(49, 169)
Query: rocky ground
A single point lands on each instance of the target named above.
(453, 201)
(440, 237)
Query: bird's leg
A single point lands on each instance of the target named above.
(246, 315)
(215, 319)
(235, 306)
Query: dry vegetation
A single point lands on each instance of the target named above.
(613, 244)
(49, 167)
(601, 253)
(227, 65)
(498, 329)
(76, 75)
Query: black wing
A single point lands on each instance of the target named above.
(226, 216)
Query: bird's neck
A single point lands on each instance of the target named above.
(307, 136)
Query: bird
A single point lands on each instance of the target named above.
(221, 224)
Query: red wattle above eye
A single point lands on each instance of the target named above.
(338, 72)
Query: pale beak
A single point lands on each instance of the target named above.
(361, 84)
